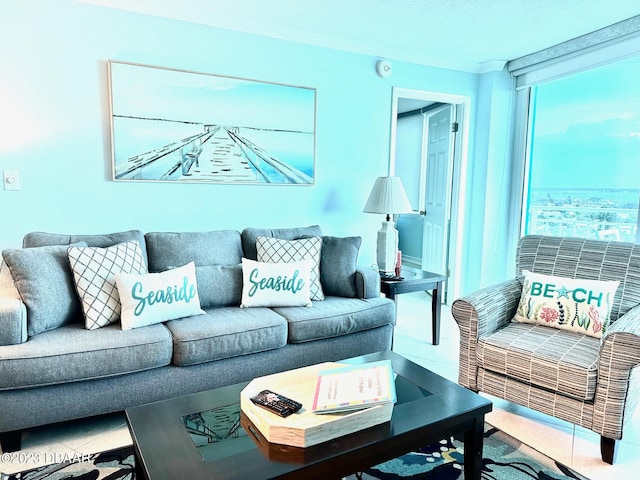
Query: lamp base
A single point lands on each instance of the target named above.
(387, 248)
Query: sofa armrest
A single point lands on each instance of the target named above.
(478, 315)
(367, 282)
(13, 321)
(618, 390)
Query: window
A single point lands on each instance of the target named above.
(583, 170)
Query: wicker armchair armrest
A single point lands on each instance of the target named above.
(618, 390)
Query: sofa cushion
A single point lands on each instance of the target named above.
(338, 265)
(71, 353)
(277, 250)
(169, 250)
(42, 239)
(249, 236)
(336, 316)
(276, 284)
(226, 332)
(549, 358)
(577, 305)
(219, 285)
(206, 249)
(43, 279)
(156, 297)
(94, 270)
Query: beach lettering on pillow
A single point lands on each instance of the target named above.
(580, 305)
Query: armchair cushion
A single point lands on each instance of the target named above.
(548, 358)
(578, 305)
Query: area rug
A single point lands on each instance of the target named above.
(505, 458)
(115, 464)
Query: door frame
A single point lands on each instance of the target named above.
(458, 177)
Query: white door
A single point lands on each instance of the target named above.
(424, 162)
(437, 203)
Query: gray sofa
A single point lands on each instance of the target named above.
(69, 372)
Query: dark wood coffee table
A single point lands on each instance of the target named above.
(429, 408)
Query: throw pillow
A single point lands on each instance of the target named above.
(156, 297)
(43, 279)
(276, 284)
(276, 250)
(582, 306)
(338, 265)
(94, 271)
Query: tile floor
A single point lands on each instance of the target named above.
(574, 446)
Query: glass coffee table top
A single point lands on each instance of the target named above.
(218, 433)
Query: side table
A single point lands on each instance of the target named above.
(415, 282)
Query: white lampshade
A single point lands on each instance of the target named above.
(388, 197)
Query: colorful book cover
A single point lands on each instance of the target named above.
(354, 387)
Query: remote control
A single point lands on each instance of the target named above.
(389, 277)
(276, 403)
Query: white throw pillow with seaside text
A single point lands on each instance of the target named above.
(276, 284)
(157, 297)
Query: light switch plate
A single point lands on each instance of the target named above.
(11, 179)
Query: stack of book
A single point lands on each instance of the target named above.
(354, 387)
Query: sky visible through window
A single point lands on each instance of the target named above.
(585, 152)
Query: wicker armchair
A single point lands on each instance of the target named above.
(588, 381)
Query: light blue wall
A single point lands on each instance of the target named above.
(489, 253)
(55, 125)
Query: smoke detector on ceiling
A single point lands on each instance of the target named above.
(383, 68)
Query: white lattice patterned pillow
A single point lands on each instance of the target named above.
(94, 270)
(276, 250)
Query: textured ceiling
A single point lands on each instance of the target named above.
(469, 35)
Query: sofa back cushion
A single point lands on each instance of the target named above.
(219, 285)
(585, 259)
(43, 279)
(41, 239)
(170, 249)
(250, 235)
(217, 256)
(338, 265)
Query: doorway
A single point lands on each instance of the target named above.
(428, 151)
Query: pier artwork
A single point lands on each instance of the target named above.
(219, 154)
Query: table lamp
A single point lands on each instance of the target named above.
(387, 197)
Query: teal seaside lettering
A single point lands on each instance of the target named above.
(293, 284)
(578, 295)
(171, 294)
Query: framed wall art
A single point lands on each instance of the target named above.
(178, 126)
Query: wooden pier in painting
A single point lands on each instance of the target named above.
(217, 155)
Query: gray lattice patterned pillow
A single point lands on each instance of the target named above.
(275, 250)
(94, 271)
